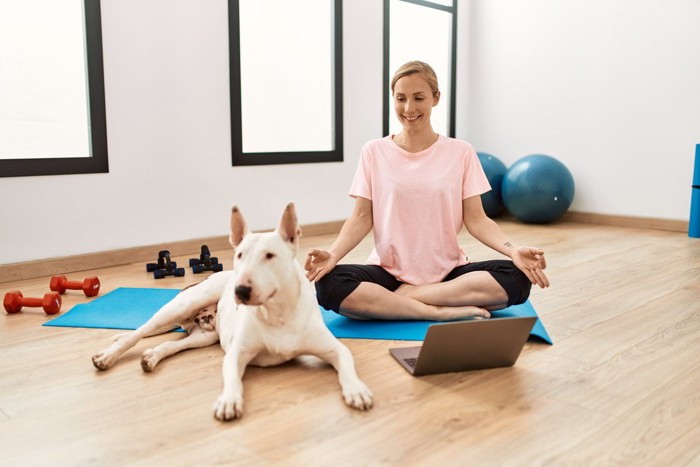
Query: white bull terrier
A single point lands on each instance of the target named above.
(266, 314)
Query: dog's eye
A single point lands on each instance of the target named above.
(239, 255)
(270, 255)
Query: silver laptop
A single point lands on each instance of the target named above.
(467, 345)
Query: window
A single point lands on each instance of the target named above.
(426, 31)
(286, 81)
(52, 118)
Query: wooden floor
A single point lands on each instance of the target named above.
(620, 385)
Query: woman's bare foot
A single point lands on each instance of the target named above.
(449, 313)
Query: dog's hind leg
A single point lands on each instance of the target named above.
(157, 332)
(183, 306)
(198, 338)
(105, 359)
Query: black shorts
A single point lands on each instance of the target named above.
(344, 279)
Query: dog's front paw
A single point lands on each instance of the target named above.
(103, 360)
(358, 396)
(228, 408)
(148, 360)
(117, 337)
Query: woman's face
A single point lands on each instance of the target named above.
(414, 102)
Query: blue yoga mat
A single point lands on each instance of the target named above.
(129, 308)
(123, 308)
(341, 326)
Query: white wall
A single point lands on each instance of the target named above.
(609, 87)
(170, 177)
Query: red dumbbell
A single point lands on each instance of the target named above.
(89, 286)
(14, 301)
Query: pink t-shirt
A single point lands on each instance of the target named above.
(417, 205)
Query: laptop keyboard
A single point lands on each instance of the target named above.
(411, 362)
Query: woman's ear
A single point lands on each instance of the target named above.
(436, 98)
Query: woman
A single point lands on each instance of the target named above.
(415, 190)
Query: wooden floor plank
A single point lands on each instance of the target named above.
(619, 386)
(650, 431)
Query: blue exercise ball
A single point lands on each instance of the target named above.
(537, 189)
(494, 169)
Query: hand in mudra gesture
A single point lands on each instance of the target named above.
(531, 262)
(318, 264)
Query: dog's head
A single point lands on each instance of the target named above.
(264, 262)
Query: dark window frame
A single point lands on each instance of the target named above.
(97, 162)
(387, 75)
(239, 158)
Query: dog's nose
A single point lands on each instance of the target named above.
(243, 293)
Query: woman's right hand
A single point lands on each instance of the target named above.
(355, 228)
(318, 264)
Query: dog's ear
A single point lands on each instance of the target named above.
(288, 227)
(239, 228)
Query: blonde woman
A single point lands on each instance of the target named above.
(415, 190)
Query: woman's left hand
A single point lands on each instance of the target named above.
(531, 262)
